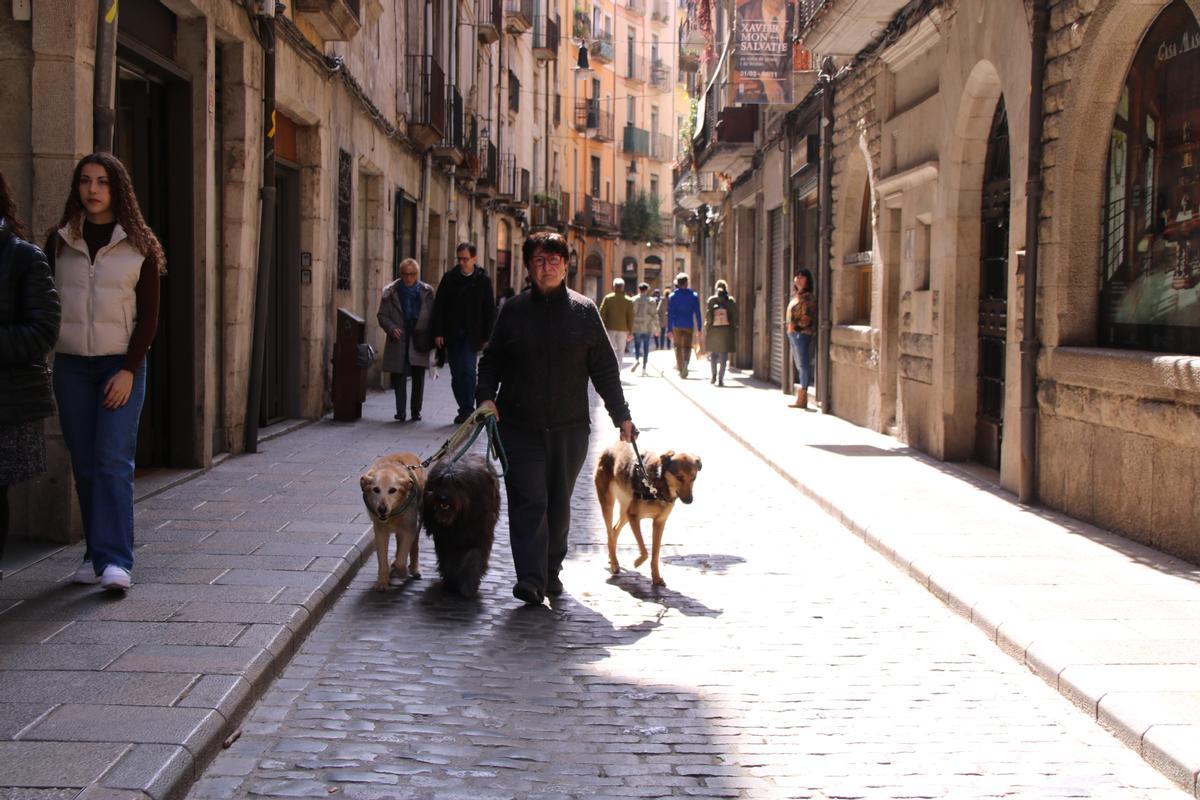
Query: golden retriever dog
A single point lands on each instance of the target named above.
(671, 474)
(392, 488)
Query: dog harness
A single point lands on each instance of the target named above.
(643, 488)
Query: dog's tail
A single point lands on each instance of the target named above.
(605, 469)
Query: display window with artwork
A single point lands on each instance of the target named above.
(1150, 224)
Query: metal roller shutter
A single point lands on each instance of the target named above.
(775, 293)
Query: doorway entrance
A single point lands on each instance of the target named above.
(153, 138)
(281, 359)
(993, 293)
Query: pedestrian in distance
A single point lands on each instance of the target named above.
(801, 326)
(106, 263)
(29, 319)
(721, 321)
(548, 344)
(660, 303)
(406, 316)
(616, 312)
(645, 325)
(463, 312)
(684, 320)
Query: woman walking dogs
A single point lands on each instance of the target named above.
(405, 314)
(106, 264)
(29, 315)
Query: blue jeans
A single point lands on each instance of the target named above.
(802, 355)
(102, 443)
(641, 347)
(463, 364)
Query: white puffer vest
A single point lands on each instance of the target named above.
(99, 302)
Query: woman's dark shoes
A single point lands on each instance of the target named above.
(528, 594)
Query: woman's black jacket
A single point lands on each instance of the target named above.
(29, 318)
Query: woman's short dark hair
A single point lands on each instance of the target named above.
(548, 242)
(807, 276)
(470, 248)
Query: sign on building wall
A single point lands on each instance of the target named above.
(762, 57)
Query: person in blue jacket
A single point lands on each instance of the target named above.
(683, 320)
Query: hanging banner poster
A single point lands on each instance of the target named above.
(762, 58)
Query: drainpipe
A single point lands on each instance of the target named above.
(104, 114)
(1027, 493)
(789, 265)
(266, 230)
(824, 268)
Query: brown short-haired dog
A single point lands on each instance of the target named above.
(672, 475)
(392, 487)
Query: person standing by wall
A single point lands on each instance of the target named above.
(645, 324)
(548, 344)
(29, 319)
(721, 320)
(616, 312)
(106, 263)
(684, 320)
(406, 316)
(801, 326)
(463, 312)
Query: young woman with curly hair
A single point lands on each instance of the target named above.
(28, 327)
(106, 264)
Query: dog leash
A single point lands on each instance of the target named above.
(639, 474)
(464, 438)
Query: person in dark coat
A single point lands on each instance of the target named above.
(29, 320)
(548, 344)
(463, 312)
(721, 321)
(406, 316)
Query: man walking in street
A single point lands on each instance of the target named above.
(684, 320)
(616, 312)
(548, 343)
(463, 312)
(645, 324)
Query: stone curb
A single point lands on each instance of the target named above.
(1155, 743)
(174, 768)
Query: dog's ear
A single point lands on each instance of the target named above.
(366, 480)
(664, 459)
(699, 465)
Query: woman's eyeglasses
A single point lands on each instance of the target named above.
(538, 262)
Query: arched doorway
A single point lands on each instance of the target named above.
(993, 292)
(629, 274)
(593, 273)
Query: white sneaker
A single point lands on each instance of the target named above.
(85, 573)
(115, 577)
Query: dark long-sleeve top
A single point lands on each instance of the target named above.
(543, 351)
(29, 318)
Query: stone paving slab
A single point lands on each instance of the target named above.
(111, 698)
(1110, 623)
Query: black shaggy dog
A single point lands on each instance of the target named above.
(460, 509)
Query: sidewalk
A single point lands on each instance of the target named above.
(1113, 625)
(126, 699)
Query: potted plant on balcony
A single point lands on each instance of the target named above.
(640, 220)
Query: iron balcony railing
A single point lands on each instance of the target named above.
(507, 187)
(426, 92)
(471, 159)
(489, 163)
(660, 75)
(598, 213)
(660, 11)
(636, 69)
(636, 6)
(489, 15)
(547, 208)
(661, 147)
(518, 15)
(453, 136)
(525, 180)
(806, 10)
(545, 38)
(635, 141)
(591, 118)
(602, 49)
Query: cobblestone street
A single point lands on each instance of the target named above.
(785, 659)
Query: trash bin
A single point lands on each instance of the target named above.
(349, 374)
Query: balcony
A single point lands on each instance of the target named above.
(635, 141)
(693, 191)
(333, 20)
(545, 38)
(660, 75)
(518, 15)
(506, 188)
(489, 16)
(666, 224)
(662, 147)
(691, 45)
(590, 118)
(450, 149)
(470, 166)
(637, 70)
(598, 215)
(548, 209)
(636, 7)
(601, 49)
(426, 100)
(489, 168)
(726, 140)
(660, 11)
(844, 27)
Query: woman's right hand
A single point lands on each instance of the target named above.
(118, 389)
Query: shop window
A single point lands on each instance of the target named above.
(860, 263)
(1150, 220)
